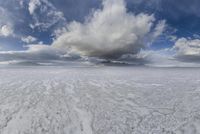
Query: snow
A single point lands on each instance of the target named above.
(99, 100)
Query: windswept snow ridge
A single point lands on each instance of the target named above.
(99, 100)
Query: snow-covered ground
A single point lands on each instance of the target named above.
(99, 100)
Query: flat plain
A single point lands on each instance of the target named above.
(99, 100)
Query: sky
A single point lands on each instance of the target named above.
(149, 32)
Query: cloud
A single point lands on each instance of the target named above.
(5, 16)
(6, 30)
(187, 49)
(6, 23)
(37, 54)
(165, 58)
(172, 38)
(44, 14)
(159, 29)
(197, 36)
(33, 4)
(109, 32)
(160, 58)
(33, 52)
(29, 39)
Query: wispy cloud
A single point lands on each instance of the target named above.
(33, 4)
(29, 39)
(44, 14)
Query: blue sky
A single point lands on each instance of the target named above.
(173, 24)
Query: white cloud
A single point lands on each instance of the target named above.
(6, 30)
(33, 52)
(44, 14)
(187, 49)
(29, 39)
(7, 22)
(36, 53)
(164, 58)
(172, 38)
(187, 46)
(196, 36)
(33, 4)
(110, 32)
(21, 3)
(159, 29)
(58, 32)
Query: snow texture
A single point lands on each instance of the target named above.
(99, 100)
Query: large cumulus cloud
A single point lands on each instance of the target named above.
(109, 32)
